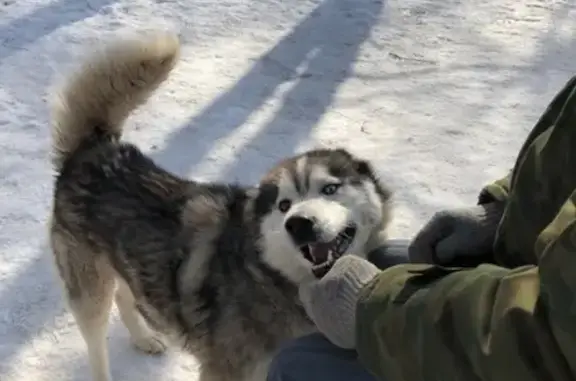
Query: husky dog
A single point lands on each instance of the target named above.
(213, 268)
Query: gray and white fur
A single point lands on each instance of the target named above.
(211, 267)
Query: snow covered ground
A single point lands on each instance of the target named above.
(439, 94)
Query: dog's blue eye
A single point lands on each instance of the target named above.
(330, 189)
(284, 205)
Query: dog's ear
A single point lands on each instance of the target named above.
(362, 167)
(266, 195)
(365, 169)
(342, 151)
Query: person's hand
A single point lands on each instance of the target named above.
(457, 234)
(331, 301)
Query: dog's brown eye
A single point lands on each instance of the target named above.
(330, 189)
(284, 205)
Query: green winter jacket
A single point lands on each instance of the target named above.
(511, 322)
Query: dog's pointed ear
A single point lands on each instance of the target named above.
(343, 151)
(264, 197)
(364, 168)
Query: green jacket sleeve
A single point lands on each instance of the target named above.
(497, 191)
(516, 321)
(427, 323)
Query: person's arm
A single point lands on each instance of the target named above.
(421, 322)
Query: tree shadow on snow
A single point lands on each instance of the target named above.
(318, 55)
(29, 306)
(44, 20)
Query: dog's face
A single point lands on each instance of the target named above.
(317, 207)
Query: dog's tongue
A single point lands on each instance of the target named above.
(319, 252)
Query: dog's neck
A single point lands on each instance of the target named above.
(379, 234)
(377, 239)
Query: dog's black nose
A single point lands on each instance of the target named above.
(302, 229)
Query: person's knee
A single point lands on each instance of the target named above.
(311, 357)
(289, 364)
(282, 365)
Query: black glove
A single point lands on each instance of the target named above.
(459, 237)
(393, 252)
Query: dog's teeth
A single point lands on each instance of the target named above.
(322, 265)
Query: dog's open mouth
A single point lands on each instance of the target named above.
(324, 254)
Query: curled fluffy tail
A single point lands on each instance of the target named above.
(98, 98)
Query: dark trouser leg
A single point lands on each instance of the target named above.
(314, 358)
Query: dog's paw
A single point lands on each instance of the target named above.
(152, 343)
